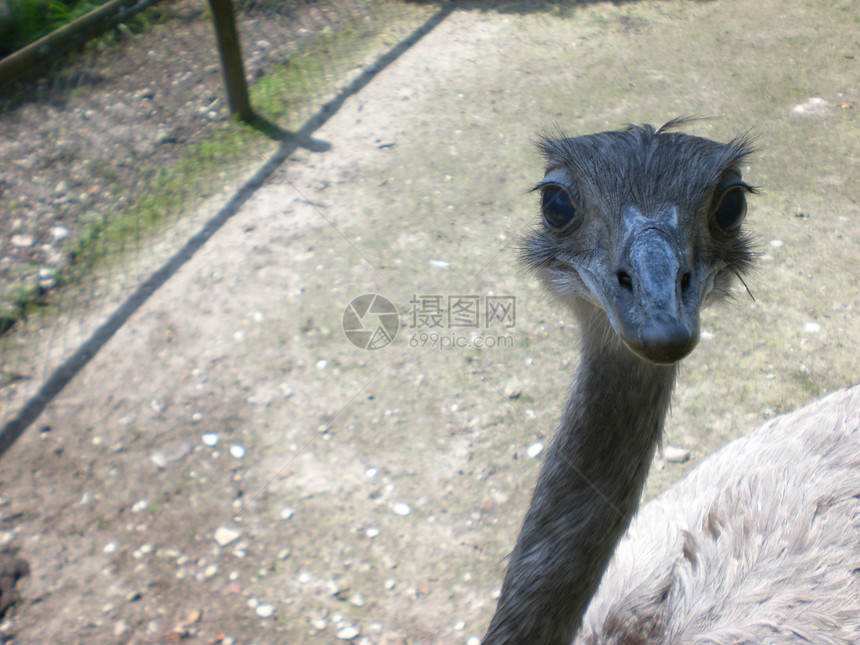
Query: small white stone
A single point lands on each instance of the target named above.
(401, 508)
(473, 640)
(513, 388)
(675, 455)
(197, 417)
(283, 554)
(109, 548)
(372, 532)
(390, 584)
(258, 316)
(265, 611)
(814, 105)
(22, 241)
(534, 450)
(459, 626)
(210, 439)
(237, 451)
(304, 577)
(706, 335)
(239, 336)
(120, 628)
(348, 632)
(286, 513)
(321, 364)
(318, 624)
(59, 233)
(356, 600)
(812, 328)
(210, 571)
(439, 264)
(225, 535)
(139, 506)
(777, 244)
(370, 473)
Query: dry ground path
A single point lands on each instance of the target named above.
(379, 491)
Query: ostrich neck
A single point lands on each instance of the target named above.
(587, 491)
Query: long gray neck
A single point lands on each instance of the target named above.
(587, 491)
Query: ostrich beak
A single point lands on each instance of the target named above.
(651, 300)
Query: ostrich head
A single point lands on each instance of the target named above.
(641, 228)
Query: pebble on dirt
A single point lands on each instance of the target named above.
(513, 388)
(22, 241)
(237, 451)
(225, 535)
(59, 233)
(265, 610)
(534, 450)
(401, 508)
(675, 455)
(348, 632)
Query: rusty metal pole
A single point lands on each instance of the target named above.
(231, 59)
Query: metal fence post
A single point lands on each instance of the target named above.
(231, 58)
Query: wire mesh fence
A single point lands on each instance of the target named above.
(114, 155)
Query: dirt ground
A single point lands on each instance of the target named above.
(88, 137)
(372, 496)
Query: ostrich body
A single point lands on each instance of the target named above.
(641, 229)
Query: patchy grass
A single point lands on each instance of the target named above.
(288, 96)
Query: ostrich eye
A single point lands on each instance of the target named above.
(731, 209)
(557, 207)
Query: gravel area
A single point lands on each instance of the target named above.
(83, 140)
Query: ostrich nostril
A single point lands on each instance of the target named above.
(625, 280)
(685, 281)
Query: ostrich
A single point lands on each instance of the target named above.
(641, 229)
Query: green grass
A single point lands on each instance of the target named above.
(29, 20)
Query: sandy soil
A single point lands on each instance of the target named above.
(379, 491)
